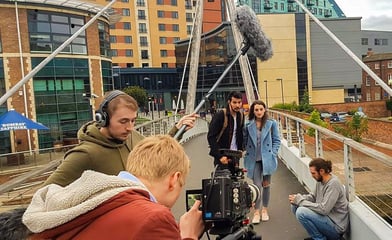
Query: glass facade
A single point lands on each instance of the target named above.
(59, 101)
(107, 76)
(5, 145)
(217, 50)
(49, 30)
(104, 39)
(302, 60)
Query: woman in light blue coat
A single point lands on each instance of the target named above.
(262, 142)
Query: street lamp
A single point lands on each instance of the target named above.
(281, 88)
(266, 93)
(151, 98)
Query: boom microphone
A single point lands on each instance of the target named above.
(249, 25)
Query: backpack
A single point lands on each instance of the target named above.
(225, 123)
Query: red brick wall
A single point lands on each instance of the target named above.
(375, 109)
(378, 130)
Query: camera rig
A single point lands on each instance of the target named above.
(227, 199)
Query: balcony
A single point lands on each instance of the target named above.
(291, 8)
(310, 2)
(267, 6)
(327, 13)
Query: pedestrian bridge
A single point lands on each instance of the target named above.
(365, 172)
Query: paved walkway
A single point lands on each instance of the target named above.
(282, 224)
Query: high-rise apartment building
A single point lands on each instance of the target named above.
(147, 31)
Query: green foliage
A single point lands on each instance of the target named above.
(354, 128)
(315, 119)
(389, 104)
(287, 106)
(304, 105)
(138, 93)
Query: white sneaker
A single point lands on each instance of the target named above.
(256, 219)
(264, 216)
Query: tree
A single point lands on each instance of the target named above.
(354, 128)
(315, 118)
(304, 104)
(389, 105)
(138, 93)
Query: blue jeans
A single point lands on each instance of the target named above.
(318, 226)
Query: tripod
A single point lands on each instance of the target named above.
(243, 233)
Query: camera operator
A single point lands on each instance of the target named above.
(134, 205)
(225, 130)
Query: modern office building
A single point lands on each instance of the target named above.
(319, 8)
(29, 32)
(304, 58)
(376, 42)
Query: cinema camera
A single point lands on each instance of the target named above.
(226, 200)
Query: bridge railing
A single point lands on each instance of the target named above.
(365, 171)
(29, 170)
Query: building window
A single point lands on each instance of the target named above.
(163, 53)
(173, 2)
(174, 15)
(140, 3)
(161, 14)
(377, 66)
(161, 27)
(127, 25)
(58, 90)
(281, 6)
(124, 1)
(189, 17)
(176, 39)
(162, 40)
(114, 53)
(129, 53)
(188, 29)
(368, 97)
(128, 39)
(367, 81)
(176, 27)
(113, 39)
(365, 41)
(164, 65)
(143, 41)
(377, 96)
(389, 64)
(126, 12)
(47, 31)
(188, 4)
(145, 65)
(141, 14)
(389, 78)
(379, 42)
(160, 2)
(104, 39)
(130, 65)
(142, 28)
(144, 54)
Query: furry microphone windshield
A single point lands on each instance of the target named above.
(249, 25)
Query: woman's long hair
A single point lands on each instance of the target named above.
(252, 116)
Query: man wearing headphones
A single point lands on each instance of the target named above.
(106, 143)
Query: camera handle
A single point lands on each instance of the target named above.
(245, 232)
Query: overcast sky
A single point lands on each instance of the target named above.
(376, 14)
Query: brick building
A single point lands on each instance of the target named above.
(381, 64)
(54, 96)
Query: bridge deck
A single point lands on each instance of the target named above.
(282, 223)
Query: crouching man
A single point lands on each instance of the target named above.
(323, 213)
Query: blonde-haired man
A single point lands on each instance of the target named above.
(134, 205)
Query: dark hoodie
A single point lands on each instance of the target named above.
(94, 152)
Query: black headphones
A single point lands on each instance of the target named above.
(102, 116)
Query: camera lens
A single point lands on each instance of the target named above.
(255, 192)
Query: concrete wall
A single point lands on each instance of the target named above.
(331, 66)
